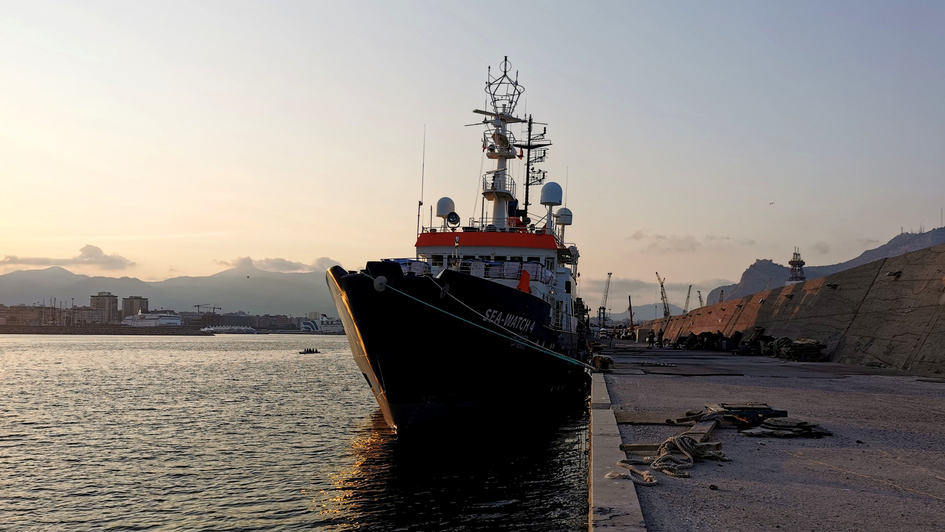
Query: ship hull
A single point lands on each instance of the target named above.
(453, 348)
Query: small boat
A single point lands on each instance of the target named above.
(308, 351)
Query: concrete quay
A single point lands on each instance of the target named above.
(882, 469)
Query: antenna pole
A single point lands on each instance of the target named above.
(567, 172)
(423, 166)
(528, 163)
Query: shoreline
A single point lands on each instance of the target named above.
(102, 330)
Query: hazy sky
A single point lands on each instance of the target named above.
(172, 138)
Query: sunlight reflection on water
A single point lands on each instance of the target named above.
(242, 432)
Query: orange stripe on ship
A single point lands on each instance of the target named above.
(505, 240)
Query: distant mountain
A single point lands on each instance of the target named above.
(765, 273)
(248, 289)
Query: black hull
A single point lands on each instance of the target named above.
(432, 354)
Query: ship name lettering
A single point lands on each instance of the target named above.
(511, 321)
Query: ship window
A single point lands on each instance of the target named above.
(516, 259)
(550, 263)
(437, 260)
(567, 287)
(534, 259)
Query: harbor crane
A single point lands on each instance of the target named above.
(699, 293)
(602, 311)
(631, 328)
(686, 306)
(663, 295)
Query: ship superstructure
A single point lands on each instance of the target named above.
(482, 302)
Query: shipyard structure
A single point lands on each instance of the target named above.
(887, 313)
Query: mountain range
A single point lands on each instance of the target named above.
(765, 273)
(263, 292)
(244, 288)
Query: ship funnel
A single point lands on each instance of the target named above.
(551, 194)
(444, 206)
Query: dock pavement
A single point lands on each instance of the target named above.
(883, 467)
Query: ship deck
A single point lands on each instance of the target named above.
(883, 464)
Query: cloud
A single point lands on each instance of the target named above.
(88, 256)
(673, 243)
(821, 247)
(666, 243)
(280, 265)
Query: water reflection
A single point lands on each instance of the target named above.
(525, 478)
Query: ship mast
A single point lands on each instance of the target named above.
(497, 141)
(533, 176)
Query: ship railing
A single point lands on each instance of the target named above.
(414, 266)
(512, 225)
(492, 183)
(505, 270)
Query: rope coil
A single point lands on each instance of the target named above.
(670, 464)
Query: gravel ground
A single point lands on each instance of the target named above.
(883, 468)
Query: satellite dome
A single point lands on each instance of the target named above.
(563, 216)
(444, 206)
(551, 194)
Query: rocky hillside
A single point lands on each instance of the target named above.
(765, 273)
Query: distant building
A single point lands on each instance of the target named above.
(189, 317)
(133, 305)
(75, 316)
(109, 303)
(266, 321)
(237, 319)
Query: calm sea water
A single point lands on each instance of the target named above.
(243, 433)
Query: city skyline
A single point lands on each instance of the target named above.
(157, 141)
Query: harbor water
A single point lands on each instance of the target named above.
(241, 432)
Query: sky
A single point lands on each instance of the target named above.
(159, 139)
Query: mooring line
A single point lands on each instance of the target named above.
(523, 341)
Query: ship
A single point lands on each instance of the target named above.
(486, 314)
(322, 325)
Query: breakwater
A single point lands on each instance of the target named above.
(889, 313)
(102, 329)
